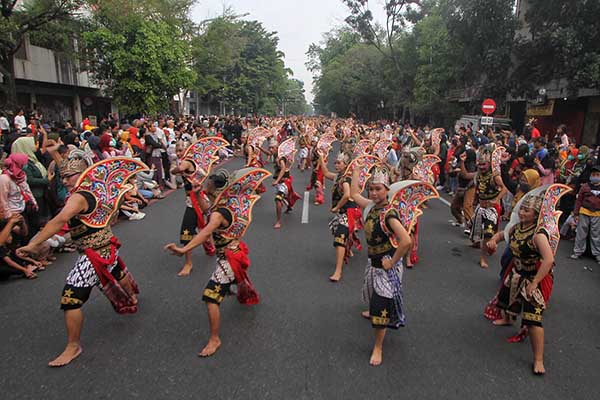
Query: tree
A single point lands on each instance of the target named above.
(485, 31)
(140, 58)
(19, 19)
(560, 41)
(438, 68)
(238, 63)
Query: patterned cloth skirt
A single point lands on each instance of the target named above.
(382, 291)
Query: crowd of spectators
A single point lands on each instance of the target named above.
(31, 188)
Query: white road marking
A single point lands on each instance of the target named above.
(305, 207)
(443, 200)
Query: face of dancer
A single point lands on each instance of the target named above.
(340, 166)
(70, 181)
(378, 193)
(179, 151)
(483, 166)
(527, 215)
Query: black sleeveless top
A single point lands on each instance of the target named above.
(85, 237)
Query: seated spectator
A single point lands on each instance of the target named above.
(10, 264)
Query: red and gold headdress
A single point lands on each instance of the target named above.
(423, 171)
(543, 200)
(287, 150)
(380, 149)
(107, 182)
(365, 164)
(203, 154)
(239, 197)
(406, 198)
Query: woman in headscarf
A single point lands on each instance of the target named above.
(14, 190)
(529, 180)
(38, 180)
(125, 145)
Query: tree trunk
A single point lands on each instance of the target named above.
(7, 69)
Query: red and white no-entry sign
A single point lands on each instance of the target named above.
(488, 107)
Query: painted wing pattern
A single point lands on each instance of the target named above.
(324, 143)
(239, 198)
(548, 218)
(497, 159)
(361, 148)
(366, 163)
(107, 180)
(406, 198)
(423, 170)
(204, 153)
(380, 149)
(288, 150)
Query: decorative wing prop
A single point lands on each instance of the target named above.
(239, 198)
(204, 153)
(365, 163)
(324, 143)
(107, 182)
(288, 150)
(423, 170)
(497, 159)
(380, 149)
(258, 136)
(361, 148)
(406, 197)
(548, 217)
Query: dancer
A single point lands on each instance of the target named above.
(253, 150)
(282, 179)
(489, 191)
(533, 238)
(229, 220)
(94, 196)
(341, 202)
(194, 165)
(388, 241)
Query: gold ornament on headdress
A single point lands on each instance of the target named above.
(380, 176)
(342, 157)
(72, 166)
(534, 202)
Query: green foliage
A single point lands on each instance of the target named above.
(18, 19)
(562, 40)
(141, 62)
(237, 62)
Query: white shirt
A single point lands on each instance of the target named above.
(20, 122)
(4, 125)
(162, 138)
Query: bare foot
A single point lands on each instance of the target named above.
(186, 270)
(366, 314)
(71, 352)
(538, 368)
(277, 226)
(376, 357)
(483, 264)
(211, 347)
(335, 277)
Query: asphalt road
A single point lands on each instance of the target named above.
(306, 339)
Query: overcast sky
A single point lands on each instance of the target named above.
(298, 23)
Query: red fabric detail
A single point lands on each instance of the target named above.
(13, 167)
(121, 300)
(436, 172)
(491, 311)
(319, 195)
(240, 262)
(209, 246)
(292, 196)
(520, 336)
(414, 256)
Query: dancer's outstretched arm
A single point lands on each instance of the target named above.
(215, 221)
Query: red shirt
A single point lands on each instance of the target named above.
(535, 133)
